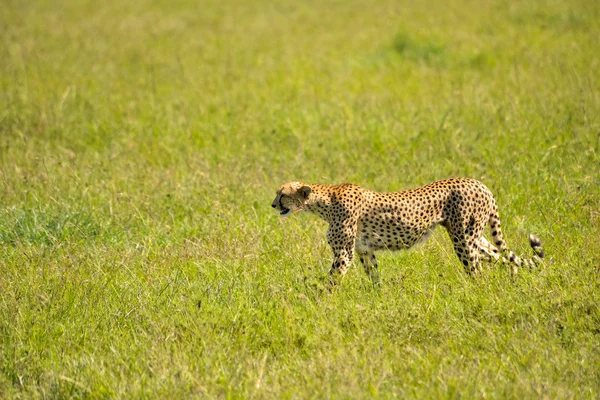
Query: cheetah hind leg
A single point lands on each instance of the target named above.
(369, 263)
(470, 259)
(466, 250)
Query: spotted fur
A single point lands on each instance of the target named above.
(362, 221)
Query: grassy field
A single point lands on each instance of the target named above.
(141, 144)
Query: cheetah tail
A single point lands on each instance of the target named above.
(507, 256)
(536, 244)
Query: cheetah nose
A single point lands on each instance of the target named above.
(273, 205)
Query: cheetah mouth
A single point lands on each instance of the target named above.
(285, 212)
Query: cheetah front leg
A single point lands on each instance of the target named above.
(341, 237)
(369, 263)
(342, 257)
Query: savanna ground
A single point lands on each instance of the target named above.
(141, 144)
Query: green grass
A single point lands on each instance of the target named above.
(141, 144)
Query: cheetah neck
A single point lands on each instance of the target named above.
(319, 201)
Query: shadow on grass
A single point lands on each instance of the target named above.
(428, 50)
(39, 227)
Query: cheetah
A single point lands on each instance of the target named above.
(363, 221)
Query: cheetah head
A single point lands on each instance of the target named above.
(291, 197)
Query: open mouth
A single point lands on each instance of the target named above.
(285, 211)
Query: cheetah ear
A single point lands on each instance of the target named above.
(305, 191)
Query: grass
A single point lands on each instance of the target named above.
(141, 144)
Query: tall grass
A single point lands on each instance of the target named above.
(141, 144)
